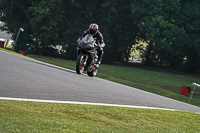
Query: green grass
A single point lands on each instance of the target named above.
(45, 117)
(9, 49)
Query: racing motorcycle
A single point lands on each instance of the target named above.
(87, 56)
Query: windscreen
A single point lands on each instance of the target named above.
(88, 38)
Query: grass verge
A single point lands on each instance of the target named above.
(18, 116)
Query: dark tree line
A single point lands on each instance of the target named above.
(170, 27)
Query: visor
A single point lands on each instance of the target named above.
(92, 32)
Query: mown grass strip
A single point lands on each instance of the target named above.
(16, 116)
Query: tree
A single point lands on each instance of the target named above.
(15, 15)
(189, 20)
(119, 30)
(171, 28)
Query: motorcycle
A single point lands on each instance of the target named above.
(87, 56)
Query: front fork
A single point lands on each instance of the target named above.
(85, 62)
(79, 52)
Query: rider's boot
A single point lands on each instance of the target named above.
(98, 64)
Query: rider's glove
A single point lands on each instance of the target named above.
(78, 41)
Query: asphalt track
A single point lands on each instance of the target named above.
(21, 77)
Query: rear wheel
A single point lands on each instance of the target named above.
(80, 64)
(93, 72)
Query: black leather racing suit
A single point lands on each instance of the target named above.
(100, 43)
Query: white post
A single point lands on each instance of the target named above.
(195, 84)
(20, 29)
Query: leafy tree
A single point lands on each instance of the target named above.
(189, 20)
(170, 27)
(15, 15)
(119, 30)
(52, 23)
(155, 21)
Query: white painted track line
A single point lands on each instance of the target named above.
(81, 103)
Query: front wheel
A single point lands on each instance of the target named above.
(80, 64)
(93, 72)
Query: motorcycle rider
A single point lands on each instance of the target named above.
(94, 31)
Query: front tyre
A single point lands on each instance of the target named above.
(80, 64)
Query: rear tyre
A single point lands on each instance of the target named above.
(93, 72)
(80, 64)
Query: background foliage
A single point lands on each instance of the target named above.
(170, 28)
